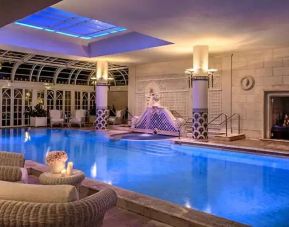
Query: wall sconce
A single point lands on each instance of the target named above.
(47, 86)
(94, 81)
(190, 73)
(211, 76)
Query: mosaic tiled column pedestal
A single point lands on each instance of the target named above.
(101, 118)
(200, 124)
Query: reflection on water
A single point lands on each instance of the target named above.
(27, 136)
(246, 188)
(93, 171)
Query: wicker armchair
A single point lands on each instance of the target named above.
(10, 166)
(87, 212)
(10, 173)
(11, 159)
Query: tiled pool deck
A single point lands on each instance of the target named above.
(269, 147)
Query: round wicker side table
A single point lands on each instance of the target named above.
(74, 179)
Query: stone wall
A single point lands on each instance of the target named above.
(268, 67)
(270, 70)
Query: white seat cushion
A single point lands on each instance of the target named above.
(118, 113)
(57, 119)
(76, 120)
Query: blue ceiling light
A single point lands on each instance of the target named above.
(68, 24)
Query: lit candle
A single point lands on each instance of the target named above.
(63, 172)
(69, 168)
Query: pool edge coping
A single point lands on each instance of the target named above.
(234, 148)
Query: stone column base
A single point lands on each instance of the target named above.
(200, 124)
(102, 115)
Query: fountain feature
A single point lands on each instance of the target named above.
(157, 119)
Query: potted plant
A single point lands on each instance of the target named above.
(38, 116)
(56, 161)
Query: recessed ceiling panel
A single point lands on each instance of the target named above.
(69, 24)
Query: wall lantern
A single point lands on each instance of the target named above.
(190, 72)
(47, 86)
(95, 80)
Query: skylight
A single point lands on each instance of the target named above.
(68, 24)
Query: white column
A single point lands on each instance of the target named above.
(45, 99)
(54, 99)
(63, 102)
(88, 104)
(200, 93)
(23, 106)
(12, 108)
(34, 97)
(72, 102)
(101, 96)
(131, 90)
(102, 70)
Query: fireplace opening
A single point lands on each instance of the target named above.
(279, 117)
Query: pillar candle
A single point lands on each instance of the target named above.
(69, 168)
(63, 172)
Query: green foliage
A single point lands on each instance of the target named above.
(37, 111)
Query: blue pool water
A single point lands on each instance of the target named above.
(246, 188)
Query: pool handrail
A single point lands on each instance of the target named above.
(226, 121)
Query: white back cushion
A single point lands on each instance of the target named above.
(55, 114)
(38, 193)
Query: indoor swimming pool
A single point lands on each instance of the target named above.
(247, 188)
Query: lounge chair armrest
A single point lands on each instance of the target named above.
(11, 159)
(102, 201)
(10, 173)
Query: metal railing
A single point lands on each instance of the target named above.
(222, 122)
(226, 121)
(231, 118)
(189, 120)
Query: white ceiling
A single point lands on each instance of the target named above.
(12, 10)
(224, 25)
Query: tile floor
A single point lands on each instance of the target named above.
(117, 217)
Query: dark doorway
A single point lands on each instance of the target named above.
(280, 118)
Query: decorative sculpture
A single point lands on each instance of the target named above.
(156, 118)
